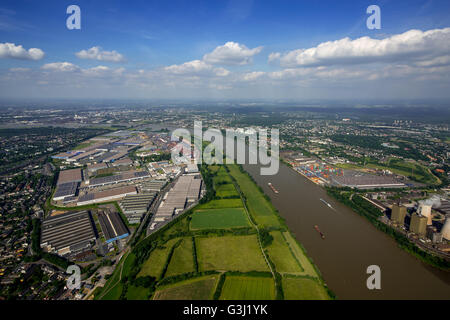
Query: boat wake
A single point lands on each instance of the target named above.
(328, 205)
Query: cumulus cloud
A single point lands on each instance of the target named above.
(60, 66)
(96, 53)
(231, 53)
(413, 45)
(196, 67)
(10, 50)
(251, 76)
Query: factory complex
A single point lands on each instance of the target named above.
(68, 233)
(112, 226)
(360, 180)
(323, 173)
(118, 191)
(135, 206)
(185, 192)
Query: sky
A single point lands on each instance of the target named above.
(228, 49)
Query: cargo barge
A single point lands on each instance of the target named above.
(273, 188)
(320, 232)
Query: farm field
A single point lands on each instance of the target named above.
(182, 260)
(226, 190)
(155, 263)
(281, 255)
(260, 209)
(230, 253)
(128, 263)
(248, 288)
(194, 289)
(219, 219)
(303, 289)
(300, 255)
(225, 240)
(222, 203)
(137, 293)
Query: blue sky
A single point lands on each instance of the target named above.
(151, 42)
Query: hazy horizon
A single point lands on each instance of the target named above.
(225, 50)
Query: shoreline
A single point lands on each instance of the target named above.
(421, 254)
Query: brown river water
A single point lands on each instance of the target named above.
(351, 243)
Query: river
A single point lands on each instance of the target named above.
(351, 243)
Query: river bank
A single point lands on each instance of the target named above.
(351, 243)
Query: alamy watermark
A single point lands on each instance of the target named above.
(74, 20)
(74, 281)
(236, 142)
(374, 280)
(374, 20)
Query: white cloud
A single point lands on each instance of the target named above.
(413, 45)
(96, 71)
(96, 53)
(10, 50)
(231, 53)
(196, 67)
(251, 76)
(60, 66)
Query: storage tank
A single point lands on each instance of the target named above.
(425, 210)
(446, 228)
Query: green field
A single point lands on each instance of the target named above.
(281, 255)
(260, 209)
(220, 230)
(303, 289)
(222, 179)
(226, 190)
(182, 260)
(222, 203)
(219, 219)
(248, 288)
(114, 293)
(230, 253)
(155, 263)
(113, 287)
(194, 289)
(137, 293)
(129, 260)
(300, 255)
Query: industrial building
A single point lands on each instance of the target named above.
(68, 233)
(121, 162)
(192, 168)
(186, 190)
(446, 228)
(418, 225)
(153, 185)
(112, 226)
(65, 190)
(107, 195)
(72, 175)
(124, 177)
(398, 214)
(134, 206)
(425, 210)
(92, 168)
(366, 181)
